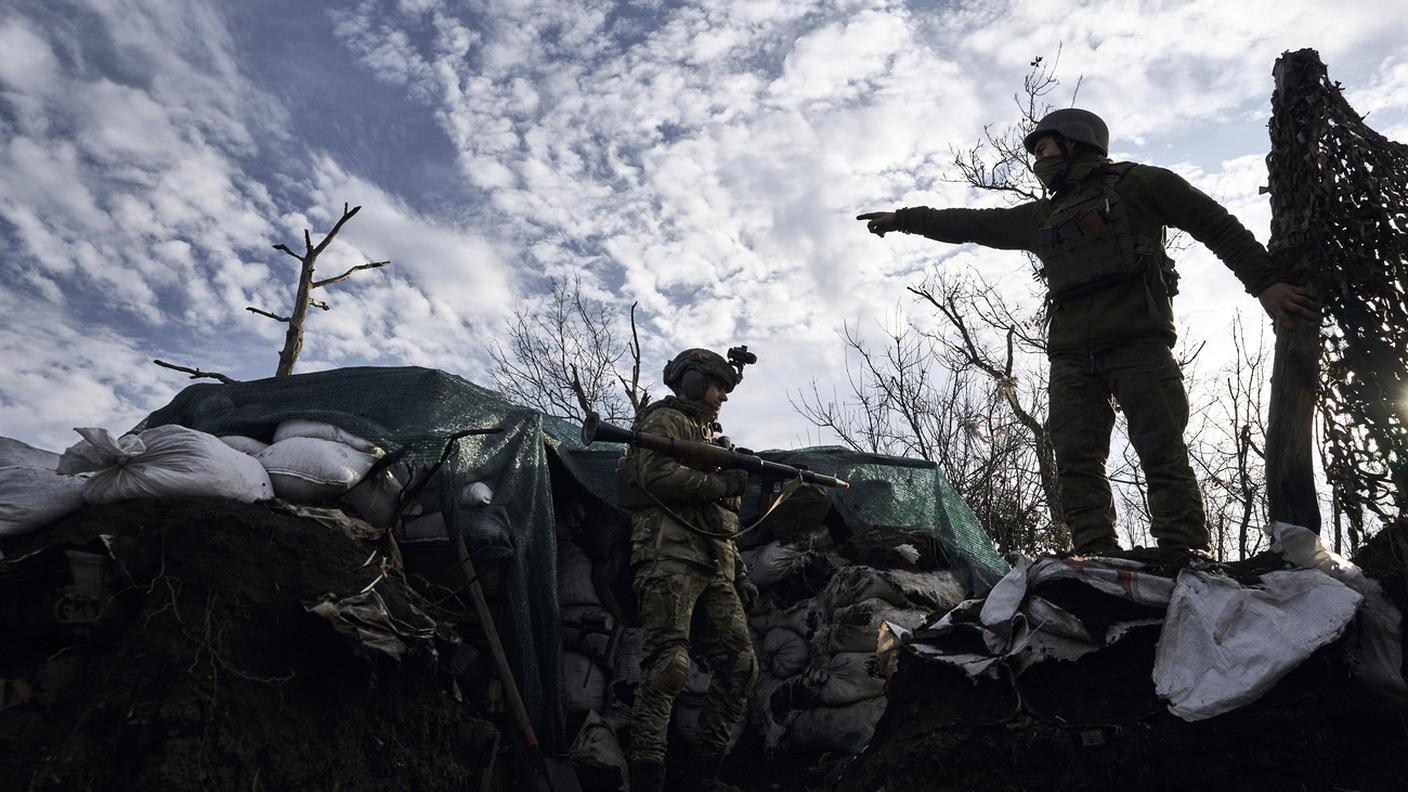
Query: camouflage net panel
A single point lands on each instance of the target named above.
(886, 492)
(1340, 191)
(416, 410)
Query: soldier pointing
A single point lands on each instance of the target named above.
(1099, 236)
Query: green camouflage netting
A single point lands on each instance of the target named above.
(416, 410)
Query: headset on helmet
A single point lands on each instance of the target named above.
(1071, 123)
(688, 374)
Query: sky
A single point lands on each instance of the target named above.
(703, 159)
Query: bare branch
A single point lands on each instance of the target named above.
(285, 249)
(197, 373)
(262, 312)
(344, 276)
(317, 303)
(346, 215)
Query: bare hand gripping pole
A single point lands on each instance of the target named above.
(594, 429)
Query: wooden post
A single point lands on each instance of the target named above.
(1295, 371)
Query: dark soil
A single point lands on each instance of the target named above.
(206, 672)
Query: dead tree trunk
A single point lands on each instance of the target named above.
(293, 338)
(1339, 193)
(1295, 370)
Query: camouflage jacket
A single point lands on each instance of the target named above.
(1120, 310)
(693, 493)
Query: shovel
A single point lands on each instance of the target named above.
(544, 774)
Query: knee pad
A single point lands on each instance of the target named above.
(669, 671)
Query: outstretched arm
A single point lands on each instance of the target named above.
(1012, 228)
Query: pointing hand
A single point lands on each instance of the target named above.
(879, 222)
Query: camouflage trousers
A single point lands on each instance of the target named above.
(1143, 378)
(672, 595)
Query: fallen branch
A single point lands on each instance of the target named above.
(197, 373)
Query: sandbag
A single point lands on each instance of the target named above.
(784, 653)
(774, 561)
(244, 445)
(596, 746)
(772, 727)
(309, 469)
(845, 678)
(32, 497)
(585, 682)
(856, 628)
(14, 453)
(299, 427)
(936, 590)
(164, 462)
(799, 618)
(374, 498)
(574, 576)
(848, 729)
(629, 652)
(588, 629)
(476, 493)
(425, 528)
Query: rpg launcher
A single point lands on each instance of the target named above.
(701, 453)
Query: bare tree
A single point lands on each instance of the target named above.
(293, 338)
(564, 357)
(303, 299)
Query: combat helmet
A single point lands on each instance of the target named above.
(1071, 123)
(690, 371)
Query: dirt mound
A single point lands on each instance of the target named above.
(207, 671)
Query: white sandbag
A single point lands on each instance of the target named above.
(298, 427)
(32, 497)
(845, 678)
(774, 561)
(374, 498)
(784, 653)
(476, 493)
(585, 682)
(1376, 649)
(856, 628)
(848, 729)
(425, 528)
(309, 469)
(164, 462)
(14, 453)
(1223, 645)
(244, 445)
(574, 576)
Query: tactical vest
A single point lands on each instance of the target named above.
(628, 491)
(1086, 240)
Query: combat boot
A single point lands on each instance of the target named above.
(647, 776)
